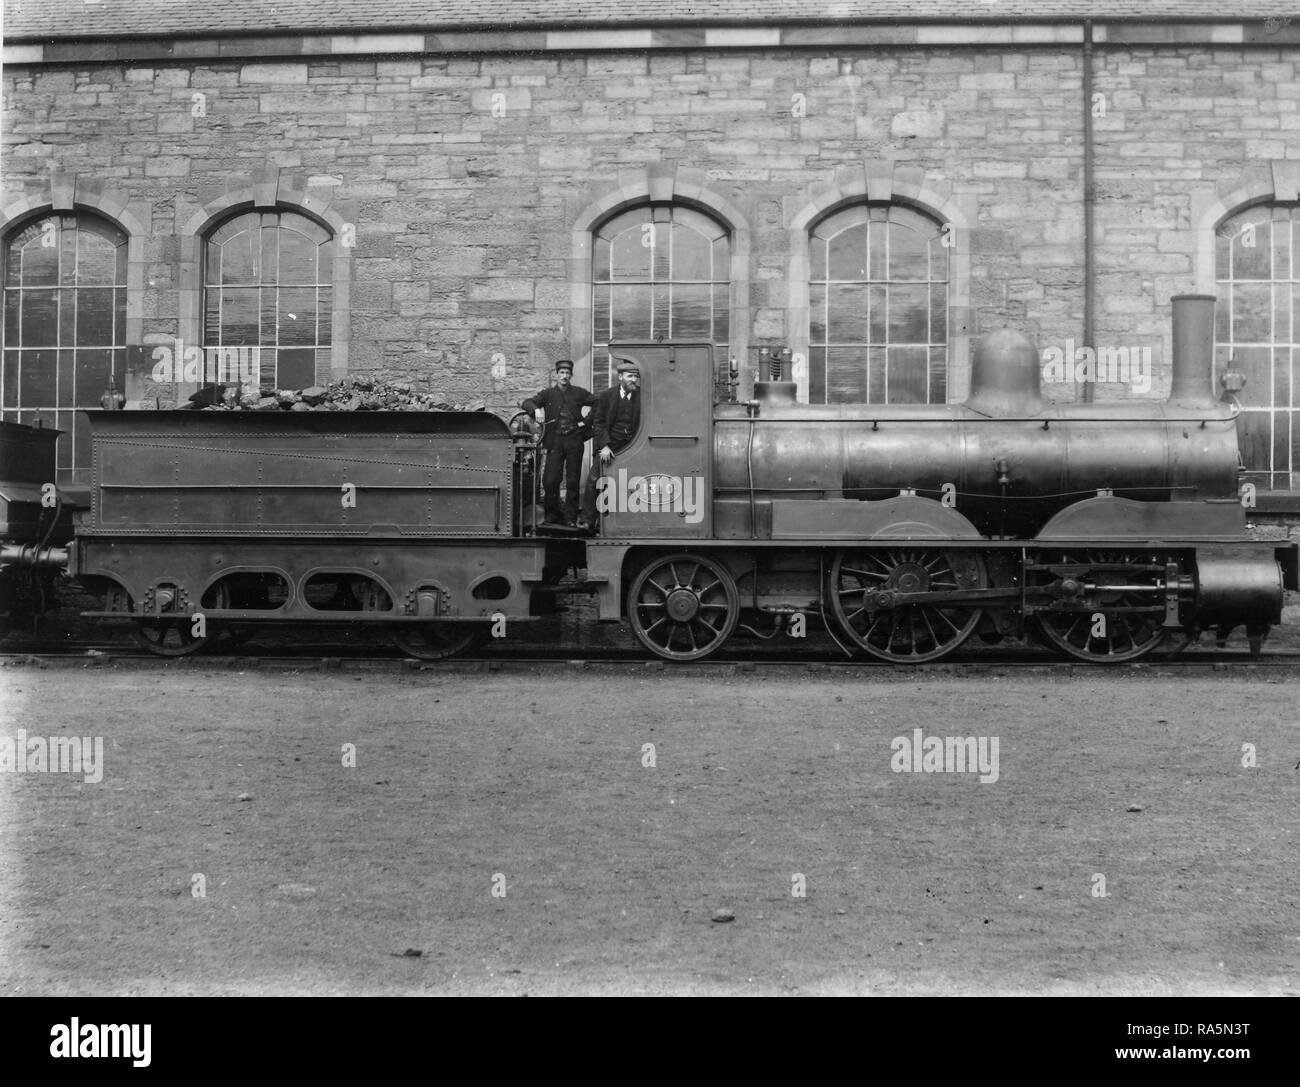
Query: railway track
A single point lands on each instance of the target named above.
(353, 659)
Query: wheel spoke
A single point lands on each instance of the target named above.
(1127, 636)
(697, 611)
(908, 632)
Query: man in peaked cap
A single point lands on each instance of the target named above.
(564, 433)
(614, 424)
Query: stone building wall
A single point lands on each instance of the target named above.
(469, 182)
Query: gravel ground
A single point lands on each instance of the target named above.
(323, 878)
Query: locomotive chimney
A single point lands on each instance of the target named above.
(1192, 381)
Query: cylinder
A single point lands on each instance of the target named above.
(1192, 381)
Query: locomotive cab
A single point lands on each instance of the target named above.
(660, 486)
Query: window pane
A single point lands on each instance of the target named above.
(722, 259)
(1223, 252)
(93, 369)
(909, 314)
(297, 318)
(909, 257)
(817, 312)
(817, 375)
(1282, 312)
(692, 305)
(722, 314)
(40, 318)
(65, 380)
(13, 307)
(848, 253)
(324, 315)
(239, 317)
(268, 302)
(877, 372)
(239, 258)
(268, 236)
(40, 263)
(817, 254)
(67, 251)
(631, 259)
(908, 368)
(1282, 444)
(938, 317)
(212, 264)
(67, 317)
(1281, 377)
(660, 324)
(1251, 312)
(630, 316)
(298, 258)
(938, 375)
(1255, 436)
(94, 317)
(1281, 235)
(846, 378)
(79, 453)
(878, 250)
(600, 315)
(296, 368)
(878, 313)
(938, 260)
(1250, 252)
(662, 251)
(1253, 363)
(692, 255)
(212, 317)
(9, 380)
(37, 384)
(96, 260)
(600, 261)
(847, 319)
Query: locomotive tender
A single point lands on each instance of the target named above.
(1104, 528)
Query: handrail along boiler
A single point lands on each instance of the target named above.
(1104, 528)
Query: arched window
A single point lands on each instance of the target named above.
(659, 270)
(878, 308)
(64, 327)
(1258, 330)
(267, 279)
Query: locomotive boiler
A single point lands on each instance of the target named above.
(1104, 529)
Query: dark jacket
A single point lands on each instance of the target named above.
(615, 422)
(563, 413)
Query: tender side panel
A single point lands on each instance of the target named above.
(300, 474)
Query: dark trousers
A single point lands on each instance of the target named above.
(597, 470)
(564, 461)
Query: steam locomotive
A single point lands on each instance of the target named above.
(905, 530)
